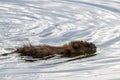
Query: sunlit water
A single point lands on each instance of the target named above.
(56, 22)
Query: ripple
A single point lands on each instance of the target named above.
(56, 22)
(97, 5)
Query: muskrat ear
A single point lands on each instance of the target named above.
(68, 51)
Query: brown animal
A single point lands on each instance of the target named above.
(72, 49)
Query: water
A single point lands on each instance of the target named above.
(56, 22)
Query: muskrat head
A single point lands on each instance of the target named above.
(81, 48)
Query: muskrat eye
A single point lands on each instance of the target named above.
(76, 47)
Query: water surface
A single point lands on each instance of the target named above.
(56, 22)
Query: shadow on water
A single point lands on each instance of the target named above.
(27, 59)
(72, 59)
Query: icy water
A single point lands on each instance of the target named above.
(56, 22)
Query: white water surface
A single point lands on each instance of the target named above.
(56, 22)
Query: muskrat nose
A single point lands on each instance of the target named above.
(94, 49)
(93, 46)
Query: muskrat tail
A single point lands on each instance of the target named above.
(6, 54)
(16, 49)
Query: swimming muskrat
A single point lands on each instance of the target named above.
(72, 49)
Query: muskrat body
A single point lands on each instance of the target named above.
(72, 49)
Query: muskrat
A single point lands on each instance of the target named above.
(72, 49)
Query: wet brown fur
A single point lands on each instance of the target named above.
(72, 49)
